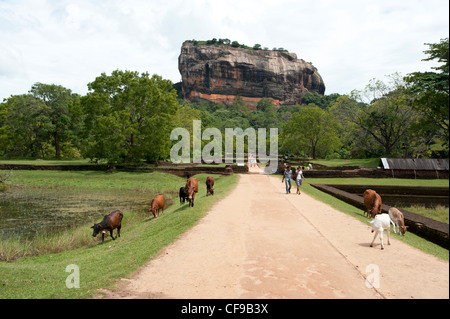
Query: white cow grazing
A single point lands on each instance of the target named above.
(379, 224)
(398, 220)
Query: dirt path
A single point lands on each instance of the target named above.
(262, 243)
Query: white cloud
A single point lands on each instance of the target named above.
(349, 41)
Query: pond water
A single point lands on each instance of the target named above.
(28, 211)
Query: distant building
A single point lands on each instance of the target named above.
(422, 167)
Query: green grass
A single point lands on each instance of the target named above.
(366, 162)
(46, 162)
(410, 238)
(96, 179)
(44, 276)
(439, 212)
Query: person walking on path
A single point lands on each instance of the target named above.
(299, 178)
(287, 179)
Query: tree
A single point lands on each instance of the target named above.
(25, 126)
(235, 44)
(386, 115)
(5, 130)
(58, 100)
(224, 41)
(354, 139)
(265, 116)
(239, 105)
(129, 117)
(265, 104)
(184, 118)
(324, 102)
(257, 46)
(311, 131)
(431, 89)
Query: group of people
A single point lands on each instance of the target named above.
(288, 175)
(252, 160)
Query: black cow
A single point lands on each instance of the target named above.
(183, 196)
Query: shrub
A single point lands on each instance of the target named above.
(4, 176)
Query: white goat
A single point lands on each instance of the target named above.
(398, 220)
(379, 224)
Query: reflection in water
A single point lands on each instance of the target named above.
(28, 211)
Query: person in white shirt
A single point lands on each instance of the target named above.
(299, 178)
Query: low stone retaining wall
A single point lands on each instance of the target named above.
(93, 167)
(430, 229)
(182, 170)
(376, 173)
(190, 171)
(403, 195)
(356, 171)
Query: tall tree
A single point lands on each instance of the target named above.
(58, 99)
(387, 115)
(24, 126)
(311, 131)
(354, 139)
(431, 89)
(129, 117)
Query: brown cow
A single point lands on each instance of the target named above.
(190, 189)
(397, 219)
(109, 222)
(157, 205)
(372, 203)
(209, 185)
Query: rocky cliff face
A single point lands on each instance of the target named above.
(219, 73)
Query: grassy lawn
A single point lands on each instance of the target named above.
(366, 162)
(100, 265)
(439, 212)
(46, 162)
(410, 238)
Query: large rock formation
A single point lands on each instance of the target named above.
(219, 73)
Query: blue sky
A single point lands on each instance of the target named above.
(70, 42)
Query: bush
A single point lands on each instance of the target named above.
(4, 177)
(235, 44)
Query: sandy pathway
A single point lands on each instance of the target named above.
(262, 243)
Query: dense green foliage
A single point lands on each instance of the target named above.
(430, 91)
(128, 117)
(42, 123)
(234, 44)
(312, 130)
